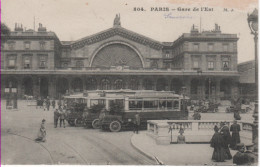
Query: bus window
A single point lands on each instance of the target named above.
(117, 101)
(176, 104)
(169, 104)
(135, 105)
(162, 104)
(150, 105)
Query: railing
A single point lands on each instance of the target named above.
(194, 130)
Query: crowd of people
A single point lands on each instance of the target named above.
(222, 141)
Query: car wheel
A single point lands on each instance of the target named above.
(95, 124)
(115, 126)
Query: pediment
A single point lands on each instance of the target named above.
(117, 31)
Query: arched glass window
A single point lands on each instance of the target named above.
(119, 84)
(105, 84)
(133, 84)
(148, 84)
(91, 84)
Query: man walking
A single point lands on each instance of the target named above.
(56, 118)
(53, 103)
(224, 131)
(137, 122)
(62, 117)
(235, 128)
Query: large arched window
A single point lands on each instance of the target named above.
(105, 84)
(148, 84)
(119, 84)
(133, 84)
(91, 84)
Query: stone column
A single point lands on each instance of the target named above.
(36, 86)
(19, 87)
(52, 87)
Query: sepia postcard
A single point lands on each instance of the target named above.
(129, 82)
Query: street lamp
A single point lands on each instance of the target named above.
(252, 20)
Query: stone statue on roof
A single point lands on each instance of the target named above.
(117, 20)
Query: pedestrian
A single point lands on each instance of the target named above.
(244, 158)
(44, 104)
(137, 121)
(236, 115)
(181, 137)
(196, 115)
(42, 133)
(56, 118)
(62, 117)
(53, 103)
(224, 131)
(48, 103)
(217, 142)
(235, 139)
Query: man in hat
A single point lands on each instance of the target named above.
(235, 128)
(217, 142)
(224, 131)
(181, 137)
(56, 117)
(137, 121)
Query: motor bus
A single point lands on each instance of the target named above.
(151, 105)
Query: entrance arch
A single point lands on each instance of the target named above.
(119, 84)
(91, 84)
(161, 84)
(105, 84)
(225, 88)
(62, 86)
(176, 85)
(28, 86)
(44, 85)
(77, 85)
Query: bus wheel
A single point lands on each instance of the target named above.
(115, 126)
(95, 124)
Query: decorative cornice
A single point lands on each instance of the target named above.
(117, 31)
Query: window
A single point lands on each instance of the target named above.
(27, 45)
(42, 45)
(65, 65)
(166, 65)
(154, 64)
(42, 62)
(196, 47)
(225, 47)
(11, 45)
(167, 54)
(210, 65)
(225, 65)
(195, 64)
(27, 63)
(11, 62)
(210, 47)
(105, 84)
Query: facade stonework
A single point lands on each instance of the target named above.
(37, 63)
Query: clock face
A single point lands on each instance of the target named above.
(117, 55)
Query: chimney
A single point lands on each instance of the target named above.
(41, 28)
(18, 28)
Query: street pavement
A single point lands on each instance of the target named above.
(70, 145)
(77, 145)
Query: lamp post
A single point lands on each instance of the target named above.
(252, 20)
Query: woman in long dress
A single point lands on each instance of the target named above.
(42, 133)
(217, 142)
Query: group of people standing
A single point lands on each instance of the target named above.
(222, 141)
(59, 114)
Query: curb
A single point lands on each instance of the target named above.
(151, 157)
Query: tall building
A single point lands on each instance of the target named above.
(37, 63)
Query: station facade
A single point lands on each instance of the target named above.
(37, 63)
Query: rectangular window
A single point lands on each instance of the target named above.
(225, 47)
(210, 47)
(11, 63)
(11, 45)
(225, 65)
(195, 64)
(27, 45)
(42, 62)
(196, 47)
(27, 63)
(42, 45)
(167, 55)
(210, 65)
